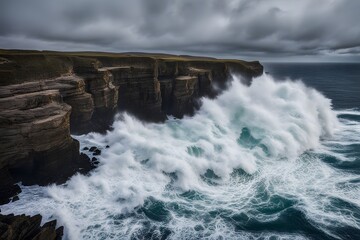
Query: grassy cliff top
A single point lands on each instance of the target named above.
(164, 56)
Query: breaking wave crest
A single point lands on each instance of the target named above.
(269, 160)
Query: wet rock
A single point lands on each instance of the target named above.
(16, 198)
(23, 227)
(85, 148)
(8, 188)
(97, 152)
(107, 146)
(7, 192)
(92, 149)
(59, 233)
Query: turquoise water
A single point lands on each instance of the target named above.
(275, 160)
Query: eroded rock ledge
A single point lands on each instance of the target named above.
(45, 96)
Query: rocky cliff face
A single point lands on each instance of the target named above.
(35, 137)
(45, 96)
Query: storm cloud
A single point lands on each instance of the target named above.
(233, 28)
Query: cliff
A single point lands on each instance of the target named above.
(46, 96)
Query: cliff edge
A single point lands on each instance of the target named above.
(46, 96)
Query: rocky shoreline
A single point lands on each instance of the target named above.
(47, 96)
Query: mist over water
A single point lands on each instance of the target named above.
(270, 160)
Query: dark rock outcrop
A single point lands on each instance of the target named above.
(8, 187)
(28, 228)
(35, 143)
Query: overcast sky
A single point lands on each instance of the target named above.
(314, 30)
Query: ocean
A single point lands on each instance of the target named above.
(279, 159)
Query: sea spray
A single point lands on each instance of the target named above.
(251, 159)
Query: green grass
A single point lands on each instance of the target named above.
(168, 57)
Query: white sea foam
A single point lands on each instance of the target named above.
(283, 120)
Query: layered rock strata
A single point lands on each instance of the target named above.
(35, 143)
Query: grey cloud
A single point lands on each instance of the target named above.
(249, 28)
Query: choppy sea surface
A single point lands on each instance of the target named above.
(277, 160)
